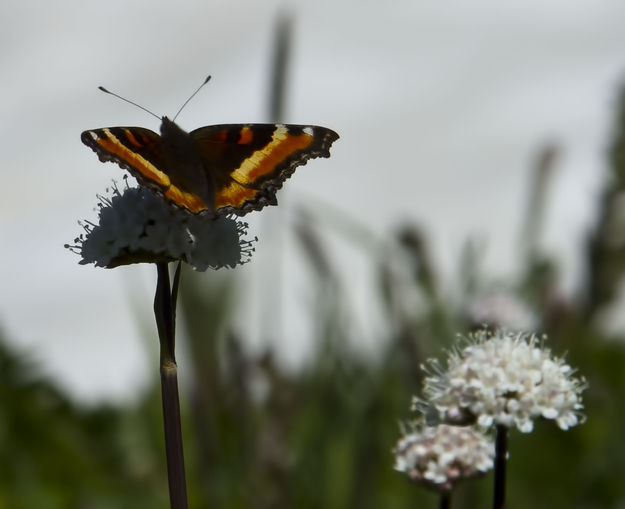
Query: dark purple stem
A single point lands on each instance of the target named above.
(165, 314)
(501, 453)
(445, 501)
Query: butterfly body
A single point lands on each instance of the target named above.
(213, 170)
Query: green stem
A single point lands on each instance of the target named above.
(165, 314)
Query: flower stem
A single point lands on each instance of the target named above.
(165, 314)
(501, 453)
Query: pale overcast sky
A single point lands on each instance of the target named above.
(441, 107)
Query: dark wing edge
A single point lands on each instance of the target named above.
(125, 146)
(323, 138)
(268, 185)
(117, 136)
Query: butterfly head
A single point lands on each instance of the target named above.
(169, 127)
(178, 143)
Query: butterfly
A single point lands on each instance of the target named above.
(213, 170)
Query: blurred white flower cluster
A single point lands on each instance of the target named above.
(441, 456)
(504, 378)
(499, 378)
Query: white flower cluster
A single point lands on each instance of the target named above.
(137, 226)
(505, 379)
(439, 457)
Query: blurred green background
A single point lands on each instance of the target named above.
(257, 436)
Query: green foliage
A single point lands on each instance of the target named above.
(55, 455)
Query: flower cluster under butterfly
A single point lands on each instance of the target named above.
(137, 226)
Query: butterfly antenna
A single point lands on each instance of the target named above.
(192, 96)
(128, 101)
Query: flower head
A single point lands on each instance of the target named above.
(137, 226)
(505, 379)
(441, 456)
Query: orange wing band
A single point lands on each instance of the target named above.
(141, 164)
(190, 201)
(111, 144)
(265, 160)
(234, 195)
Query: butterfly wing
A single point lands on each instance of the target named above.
(152, 161)
(247, 163)
(221, 169)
